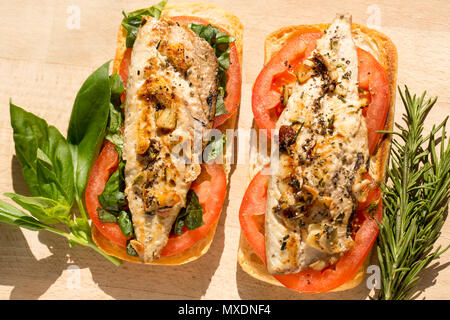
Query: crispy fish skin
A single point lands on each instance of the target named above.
(314, 190)
(172, 77)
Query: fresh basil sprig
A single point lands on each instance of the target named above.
(221, 43)
(191, 216)
(132, 20)
(56, 169)
(88, 124)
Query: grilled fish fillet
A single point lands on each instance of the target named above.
(323, 151)
(171, 96)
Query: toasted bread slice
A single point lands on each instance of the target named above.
(387, 56)
(230, 23)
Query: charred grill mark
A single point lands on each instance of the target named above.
(359, 161)
(210, 99)
(151, 204)
(320, 66)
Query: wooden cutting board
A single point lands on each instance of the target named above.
(46, 54)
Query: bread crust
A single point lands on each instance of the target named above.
(387, 56)
(233, 26)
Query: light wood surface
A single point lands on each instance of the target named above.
(43, 64)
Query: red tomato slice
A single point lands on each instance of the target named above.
(254, 205)
(211, 188)
(266, 94)
(106, 163)
(125, 65)
(310, 280)
(372, 77)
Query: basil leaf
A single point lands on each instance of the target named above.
(112, 199)
(13, 216)
(114, 129)
(125, 224)
(214, 148)
(132, 20)
(81, 229)
(131, 251)
(44, 155)
(220, 105)
(88, 123)
(191, 216)
(224, 60)
(44, 209)
(117, 87)
(115, 120)
(105, 216)
(179, 222)
(194, 217)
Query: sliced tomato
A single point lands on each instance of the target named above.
(372, 77)
(106, 163)
(125, 65)
(266, 94)
(309, 280)
(211, 188)
(253, 206)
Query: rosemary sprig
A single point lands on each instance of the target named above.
(416, 196)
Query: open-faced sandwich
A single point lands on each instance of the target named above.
(309, 215)
(144, 154)
(182, 76)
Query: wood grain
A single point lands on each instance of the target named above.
(42, 66)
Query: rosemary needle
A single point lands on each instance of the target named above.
(415, 201)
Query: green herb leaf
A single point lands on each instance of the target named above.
(44, 155)
(130, 250)
(105, 216)
(13, 216)
(191, 216)
(125, 224)
(88, 123)
(112, 198)
(56, 169)
(81, 229)
(220, 104)
(416, 197)
(214, 148)
(117, 88)
(132, 20)
(114, 129)
(46, 210)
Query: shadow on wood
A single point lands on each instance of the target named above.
(251, 288)
(31, 278)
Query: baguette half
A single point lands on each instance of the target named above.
(387, 57)
(216, 17)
